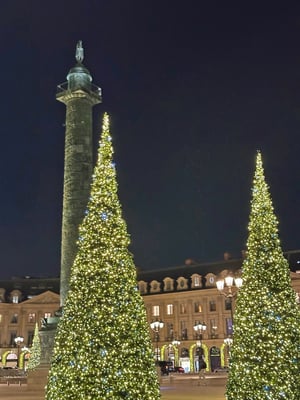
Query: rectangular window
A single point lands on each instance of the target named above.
(212, 305)
(30, 337)
(169, 309)
(213, 328)
(197, 307)
(196, 281)
(212, 324)
(14, 319)
(13, 335)
(183, 308)
(15, 299)
(170, 331)
(47, 315)
(228, 304)
(229, 327)
(155, 311)
(31, 318)
(183, 329)
(1, 317)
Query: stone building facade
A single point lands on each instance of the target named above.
(180, 298)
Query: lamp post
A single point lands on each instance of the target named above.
(229, 287)
(175, 344)
(25, 350)
(19, 340)
(199, 328)
(156, 326)
(228, 342)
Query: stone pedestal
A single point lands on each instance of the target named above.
(47, 335)
(37, 379)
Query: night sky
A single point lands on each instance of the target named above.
(193, 89)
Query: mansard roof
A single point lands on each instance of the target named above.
(31, 286)
(189, 268)
(28, 286)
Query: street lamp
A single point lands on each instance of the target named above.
(19, 340)
(229, 287)
(228, 341)
(156, 326)
(199, 328)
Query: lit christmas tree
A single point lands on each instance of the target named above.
(265, 361)
(102, 346)
(35, 351)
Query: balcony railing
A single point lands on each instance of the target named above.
(63, 87)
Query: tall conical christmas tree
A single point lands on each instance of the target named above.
(35, 351)
(102, 346)
(265, 361)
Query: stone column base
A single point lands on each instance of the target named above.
(37, 379)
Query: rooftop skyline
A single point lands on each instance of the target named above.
(192, 92)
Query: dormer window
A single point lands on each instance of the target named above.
(182, 283)
(168, 284)
(196, 281)
(142, 287)
(210, 280)
(15, 296)
(154, 287)
(2, 295)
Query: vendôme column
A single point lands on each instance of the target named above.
(79, 95)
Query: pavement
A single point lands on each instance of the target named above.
(174, 387)
(189, 387)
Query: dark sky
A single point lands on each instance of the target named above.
(193, 89)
